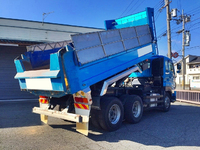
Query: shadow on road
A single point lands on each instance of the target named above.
(18, 114)
(178, 127)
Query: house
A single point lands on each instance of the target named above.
(192, 73)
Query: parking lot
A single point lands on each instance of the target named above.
(20, 129)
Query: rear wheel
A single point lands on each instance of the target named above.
(133, 108)
(111, 114)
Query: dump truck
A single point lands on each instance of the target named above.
(104, 77)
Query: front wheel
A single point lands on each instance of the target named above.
(111, 114)
(166, 103)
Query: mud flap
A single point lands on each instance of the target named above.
(44, 118)
(82, 104)
(44, 103)
(82, 127)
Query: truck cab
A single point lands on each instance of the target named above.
(158, 70)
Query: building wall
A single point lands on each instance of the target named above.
(192, 75)
(9, 87)
(12, 29)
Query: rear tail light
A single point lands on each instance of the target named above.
(81, 100)
(43, 99)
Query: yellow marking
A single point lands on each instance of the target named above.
(82, 93)
(82, 106)
(87, 107)
(66, 82)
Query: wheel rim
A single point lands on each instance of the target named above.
(114, 114)
(136, 109)
(167, 102)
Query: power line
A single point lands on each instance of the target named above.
(194, 47)
(127, 7)
(133, 6)
(195, 29)
(193, 10)
(158, 4)
(159, 11)
(139, 5)
(194, 25)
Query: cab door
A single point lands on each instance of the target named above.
(169, 74)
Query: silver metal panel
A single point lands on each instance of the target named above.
(116, 78)
(113, 48)
(47, 46)
(145, 39)
(128, 33)
(142, 30)
(105, 43)
(82, 41)
(88, 55)
(110, 36)
(131, 43)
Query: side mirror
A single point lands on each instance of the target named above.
(179, 66)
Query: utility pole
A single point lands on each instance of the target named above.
(183, 50)
(168, 28)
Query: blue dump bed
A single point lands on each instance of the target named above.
(67, 67)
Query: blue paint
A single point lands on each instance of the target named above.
(168, 76)
(81, 77)
(141, 18)
(40, 58)
(54, 59)
(22, 83)
(18, 65)
(57, 84)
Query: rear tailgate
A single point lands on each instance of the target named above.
(47, 79)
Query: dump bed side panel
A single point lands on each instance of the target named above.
(81, 77)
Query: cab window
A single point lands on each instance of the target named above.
(171, 67)
(166, 65)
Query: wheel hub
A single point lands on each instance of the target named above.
(114, 114)
(136, 109)
(167, 101)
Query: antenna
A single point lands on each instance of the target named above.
(44, 15)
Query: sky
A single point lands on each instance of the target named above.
(92, 13)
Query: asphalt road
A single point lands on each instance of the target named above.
(22, 130)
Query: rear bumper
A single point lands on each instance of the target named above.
(61, 114)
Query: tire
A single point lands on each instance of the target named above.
(95, 118)
(166, 103)
(111, 114)
(133, 108)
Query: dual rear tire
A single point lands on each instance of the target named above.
(113, 112)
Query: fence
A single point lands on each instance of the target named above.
(188, 96)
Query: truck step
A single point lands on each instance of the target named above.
(157, 96)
